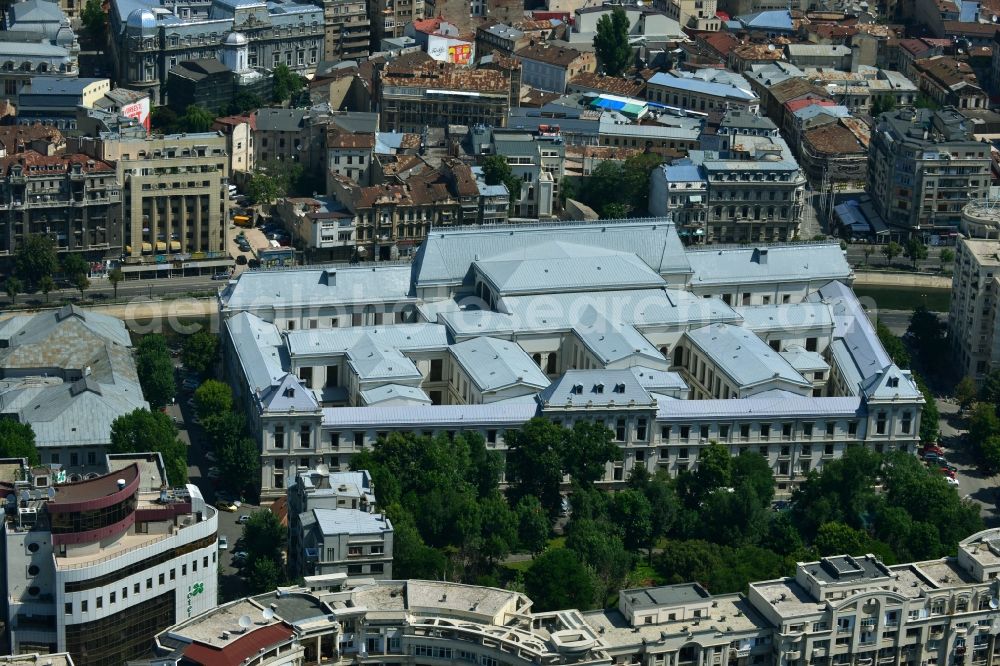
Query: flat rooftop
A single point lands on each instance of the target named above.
(666, 595)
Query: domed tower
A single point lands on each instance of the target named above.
(142, 51)
(235, 52)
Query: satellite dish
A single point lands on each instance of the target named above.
(994, 603)
(323, 469)
(268, 614)
(25, 496)
(245, 622)
(52, 492)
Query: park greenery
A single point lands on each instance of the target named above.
(713, 523)
(155, 370)
(141, 430)
(618, 189)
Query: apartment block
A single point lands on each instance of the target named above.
(175, 197)
(97, 567)
(347, 30)
(923, 167)
(835, 611)
(973, 318)
(537, 159)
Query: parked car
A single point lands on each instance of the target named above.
(947, 472)
(226, 506)
(951, 481)
(931, 448)
(223, 275)
(190, 384)
(934, 458)
(210, 457)
(223, 542)
(240, 557)
(244, 519)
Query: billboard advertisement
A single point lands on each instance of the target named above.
(460, 54)
(138, 110)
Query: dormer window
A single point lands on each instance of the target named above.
(289, 392)
(893, 382)
(598, 388)
(619, 388)
(577, 389)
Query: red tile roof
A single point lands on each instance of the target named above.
(245, 646)
(36, 163)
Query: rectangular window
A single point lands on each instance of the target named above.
(852, 428)
(665, 432)
(786, 430)
(305, 439)
(640, 430)
(100, 602)
(880, 423)
(807, 429)
(744, 431)
(765, 430)
(620, 430)
(704, 432)
(906, 423)
(334, 440)
(685, 432)
(359, 440)
(723, 432)
(83, 606)
(68, 607)
(279, 437)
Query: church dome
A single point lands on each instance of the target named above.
(141, 20)
(236, 39)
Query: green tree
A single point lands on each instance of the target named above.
(496, 170)
(244, 102)
(840, 539)
(989, 391)
(989, 454)
(966, 392)
(196, 119)
(611, 42)
(586, 449)
(46, 284)
(633, 514)
(557, 579)
(265, 575)
(211, 398)
(983, 423)
(533, 525)
(142, 430)
(200, 352)
(915, 250)
(534, 462)
(239, 464)
(712, 472)
(13, 287)
(890, 251)
(264, 536)
(286, 83)
(499, 527)
(411, 557)
(93, 18)
(115, 277)
(74, 264)
(615, 210)
(893, 345)
(868, 251)
(929, 416)
(164, 119)
(81, 282)
(946, 257)
(17, 440)
(598, 545)
(36, 259)
(264, 188)
(223, 429)
(155, 370)
(882, 104)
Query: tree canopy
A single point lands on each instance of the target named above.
(155, 370)
(212, 398)
(558, 579)
(140, 431)
(17, 440)
(286, 83)
(496, 170)
(620, 189)
(611, 42)
(36, 259)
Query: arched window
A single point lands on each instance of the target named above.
(537, 358)
(550, 366)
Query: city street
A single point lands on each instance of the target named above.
(231, 584)
(972, 483)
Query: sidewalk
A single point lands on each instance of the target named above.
(901, 279)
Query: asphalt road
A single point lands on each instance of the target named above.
(973, 484)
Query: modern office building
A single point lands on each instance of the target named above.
(69, 374)
(490, 327)
(837, 610)
(97, 567)
(923, 167)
